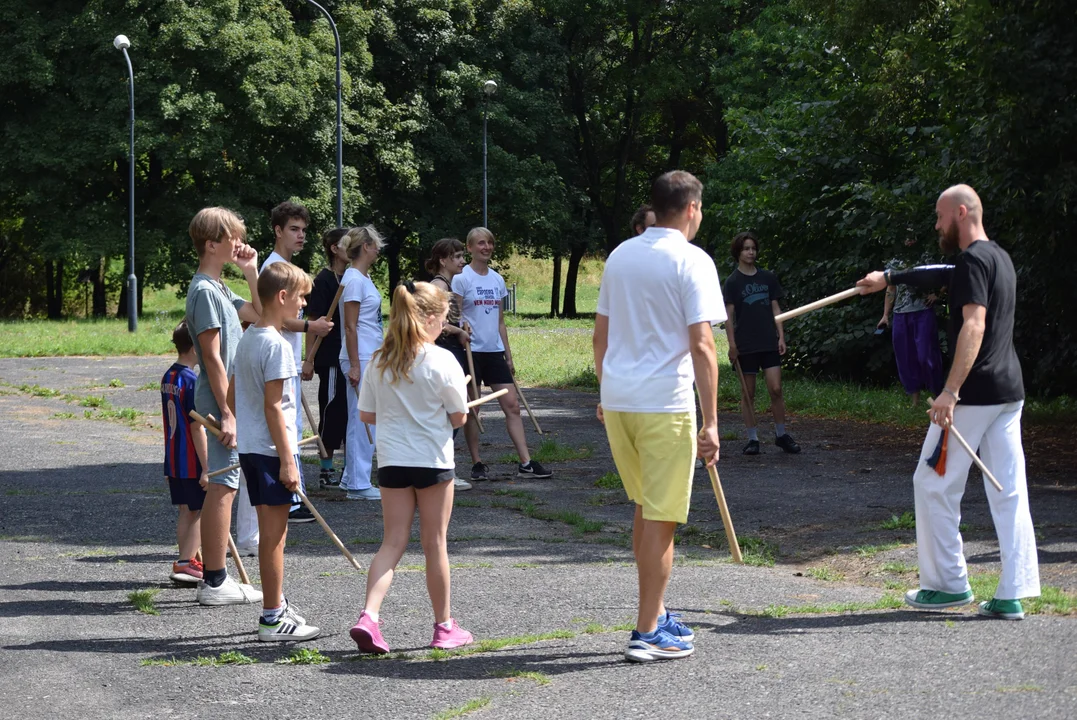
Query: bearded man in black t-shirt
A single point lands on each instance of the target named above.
(756, 342)
(982, 398)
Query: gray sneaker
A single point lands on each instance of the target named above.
(228, 593)
(370, 493)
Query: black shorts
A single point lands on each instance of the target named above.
(263, 480)
(750, 363)
(491, 368)
(400, 477)
(186, 491)
(332, 406)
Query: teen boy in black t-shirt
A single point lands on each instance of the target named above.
(755, 340)
(982, 398)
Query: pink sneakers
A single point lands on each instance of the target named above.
(189, 573)
(454, 637)
(367, 635)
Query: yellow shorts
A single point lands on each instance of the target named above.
(655, 454)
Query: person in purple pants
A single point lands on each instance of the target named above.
(916, 336)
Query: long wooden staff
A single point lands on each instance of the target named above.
(975, 458)
(239, 563)
(727, 521)
(306, 501)
(838, 297)
(744, 392)
(474, 383)
(527, 407)
(487, 398)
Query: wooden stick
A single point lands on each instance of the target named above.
(474, 384)
(976, 458)
(329, 531)
(838, 297)
(230, 468)
(727, 521)
(744, 393)
(488, 398)
(322, 452)
(332, 312)
(239, 563)
(530, 414)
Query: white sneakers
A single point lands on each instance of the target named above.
(461, 484)
(228, 593)
(290, 628)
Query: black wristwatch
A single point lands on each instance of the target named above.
(306, 326)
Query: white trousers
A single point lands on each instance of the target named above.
(996, 430)
(360, 451)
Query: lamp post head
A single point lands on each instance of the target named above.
(489, 87)
(121, 42)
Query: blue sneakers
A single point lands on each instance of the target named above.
(657, 645)
(672, 625)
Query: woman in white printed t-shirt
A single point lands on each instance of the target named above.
(360, 320)
(479, 291)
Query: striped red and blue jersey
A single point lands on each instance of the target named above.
(177, 401)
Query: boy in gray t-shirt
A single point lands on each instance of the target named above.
(213, 316)
(262, 389)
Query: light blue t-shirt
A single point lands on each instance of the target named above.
(212, 304)
(261, 357)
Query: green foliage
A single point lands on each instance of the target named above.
(907, 521)
(610, 481)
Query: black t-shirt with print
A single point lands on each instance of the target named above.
(984, 275)
(750, 296)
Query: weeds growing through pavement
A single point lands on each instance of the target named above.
(906, 521)
(304, 656)
(143, 600)
(610, 481)
(469, 706)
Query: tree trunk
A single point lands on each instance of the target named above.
(555, 290)
(99, 299)
(54, 289)
(570, 280)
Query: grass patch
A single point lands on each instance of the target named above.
(551, 451)
(757, 551)
(824, 573)
(907, 521)
(610, 481)
(870, 551)
(899, 568)
(150, 386)
(467, 503)
(468, 707)
(1052, 600)
(232, 657)
(889, 601)
(93, 401)
(536, 677)
(304, 656)
(116, 383)
(520, 494)
(526, 565)
(39, 391)
(143, 600)
(64, 415)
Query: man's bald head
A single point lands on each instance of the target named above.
(959, 195)
(958, 218)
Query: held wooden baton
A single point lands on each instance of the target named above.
(239, 563)
(727, 521)
(487, 398)
(322, 452)
(329, 531)
(332, 312)
(744, 392)
(975, 458)
(230, 468)
(838, 297)
(474, 383)
(527, 407)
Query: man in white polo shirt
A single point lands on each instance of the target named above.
(659, 299)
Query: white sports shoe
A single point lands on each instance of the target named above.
(228, 593)
(461, 484)
(290, 628)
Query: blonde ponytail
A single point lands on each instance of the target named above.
(412, 303)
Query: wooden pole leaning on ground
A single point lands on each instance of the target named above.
(239, 563)
(302, 496)
(520, 394)
(723, 509)
(744, 393)
(975, 458)
(838, 297)
(474, 383)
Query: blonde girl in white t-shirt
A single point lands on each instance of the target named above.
(361, 336)
(415, 391)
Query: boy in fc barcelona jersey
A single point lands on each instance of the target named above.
(185, 455)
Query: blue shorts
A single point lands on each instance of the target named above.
(186, 491)
(219, 458)
(263, 480)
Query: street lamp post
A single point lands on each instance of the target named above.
(488, 89)
(340, 128)
(122, 43)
